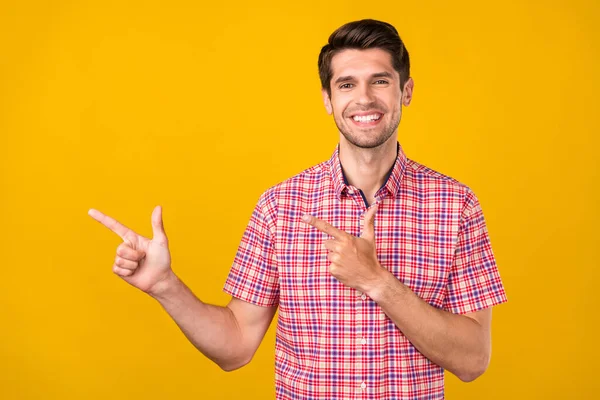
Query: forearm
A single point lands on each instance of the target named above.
(213, 330)
(454, 342)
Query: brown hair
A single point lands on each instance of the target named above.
(364, 34)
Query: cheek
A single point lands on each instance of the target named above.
(338, 112)
(395, 105)
(340, 107)
(340, 102)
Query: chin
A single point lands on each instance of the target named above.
(366, 142)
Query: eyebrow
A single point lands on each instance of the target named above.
(351, 78)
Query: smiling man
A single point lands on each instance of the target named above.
(381, 267)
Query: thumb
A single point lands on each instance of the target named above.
(158, 230)
(368, 232)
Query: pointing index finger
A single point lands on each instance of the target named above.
(324, 226)
(111, 224)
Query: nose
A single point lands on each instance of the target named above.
(365, 95)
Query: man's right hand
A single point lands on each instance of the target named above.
(141, 262)
(227, 335)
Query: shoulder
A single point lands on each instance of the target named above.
(298, 185)
(295, 190)
(432, 184)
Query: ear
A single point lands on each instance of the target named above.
(407, 92)
(327, 101)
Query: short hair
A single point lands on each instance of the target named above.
(362, 35)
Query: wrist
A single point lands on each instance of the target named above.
(383, 286)
(166, 287)
(377, 284)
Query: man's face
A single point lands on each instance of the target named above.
(366, 100)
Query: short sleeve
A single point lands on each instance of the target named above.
(253, 276)
(474, 281)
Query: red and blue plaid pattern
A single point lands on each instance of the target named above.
(333, 342)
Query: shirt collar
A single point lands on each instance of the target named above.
(392, 183)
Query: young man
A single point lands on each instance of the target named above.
(381, 268)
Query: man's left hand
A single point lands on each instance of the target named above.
(353, 259)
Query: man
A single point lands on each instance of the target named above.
(381, 268)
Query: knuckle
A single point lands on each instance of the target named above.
(122, 271)
(129, 239)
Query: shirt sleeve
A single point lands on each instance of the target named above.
(254, 276)
(474, 281)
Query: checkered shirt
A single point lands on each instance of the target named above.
(333, 342)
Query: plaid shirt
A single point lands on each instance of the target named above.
(333, 342)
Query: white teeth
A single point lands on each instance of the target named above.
(366, 118)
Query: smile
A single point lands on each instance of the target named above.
(367, 120)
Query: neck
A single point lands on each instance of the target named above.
(367, 169)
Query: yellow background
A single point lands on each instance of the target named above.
(200, 107)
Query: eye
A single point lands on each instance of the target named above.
(346, 86)
(381, 82)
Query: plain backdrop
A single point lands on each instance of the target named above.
(201, 106)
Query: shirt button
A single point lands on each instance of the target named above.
(363, 341)
(364, 297)
(363, 385)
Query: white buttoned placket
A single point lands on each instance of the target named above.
(361, 342)
(362, 313)
(365, 342)
(362, 339)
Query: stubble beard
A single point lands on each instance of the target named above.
(361, 138)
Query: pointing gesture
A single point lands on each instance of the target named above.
(353, 260)
(140, 261)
